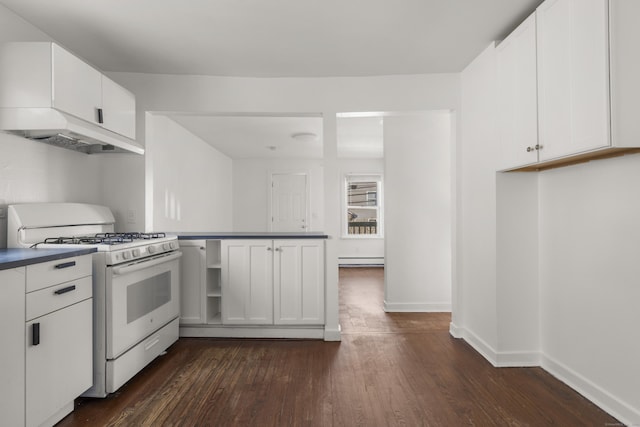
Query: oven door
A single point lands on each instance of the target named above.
(141, 297)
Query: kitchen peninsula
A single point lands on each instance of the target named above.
(252, 285)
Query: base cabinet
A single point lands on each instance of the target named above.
(56, 367)
(192, 282)
(46, 320)
(12, 315)
(273, 282)
(247, 282)
(298, 282)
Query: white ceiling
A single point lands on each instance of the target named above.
(260, 38)
(277, 38)
(256, 136)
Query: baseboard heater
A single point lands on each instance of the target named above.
(361, 261)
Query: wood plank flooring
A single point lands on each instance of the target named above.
(399, 369)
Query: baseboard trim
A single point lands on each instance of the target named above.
(403, 307)
(333, 334)
(251, 332)
(517, 359)
(624, 412)
(477, 343)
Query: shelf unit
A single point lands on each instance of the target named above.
(213, 288)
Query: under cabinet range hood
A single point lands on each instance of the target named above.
(57, 128)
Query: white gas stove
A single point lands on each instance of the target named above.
(135, 283)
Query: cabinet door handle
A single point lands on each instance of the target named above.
(65, 290)
(35, 334)
(269, 249)
(66, 264)
(100, 115)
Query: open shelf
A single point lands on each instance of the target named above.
(214, 259)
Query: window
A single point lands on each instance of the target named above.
(363, 202)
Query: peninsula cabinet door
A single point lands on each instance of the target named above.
(298, 282)
(247, 282)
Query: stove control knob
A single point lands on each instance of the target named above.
(166, 246)
(152, 249)
(136, 252)
(126, 255)
(174, 245)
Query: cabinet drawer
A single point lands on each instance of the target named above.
(47, 300)
(53, 272)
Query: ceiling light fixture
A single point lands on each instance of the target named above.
(305, 137)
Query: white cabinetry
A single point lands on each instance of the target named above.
(12, 315)
(46, 318)
(587, 85)
(200, 282)
(44, 75)
(192, 282)
(517, 101)
(247, 282)
(277, 282)
(59, 337)
(573, 76)
(298, 286)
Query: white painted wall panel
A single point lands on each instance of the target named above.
(191, 179)
(418, 212)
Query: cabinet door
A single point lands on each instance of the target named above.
(247, 282)
(60, 367)
(299, 282)
(12, 315)
(77, 87)
(192, 283)
(518, 105)
(573, 77)
(118, 109)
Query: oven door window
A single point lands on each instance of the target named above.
(145, 296)
(138, 303)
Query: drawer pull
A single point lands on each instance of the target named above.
(66, 264)
(35, 334)
(65, 290)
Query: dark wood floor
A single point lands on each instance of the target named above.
(400, 369)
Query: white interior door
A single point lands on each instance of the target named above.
(289, 202)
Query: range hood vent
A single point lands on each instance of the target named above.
(57, 128)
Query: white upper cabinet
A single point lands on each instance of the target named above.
(77, 87)
(118, 108)
(573, 76)
(587, 67)
(517, 101)
(44, 75)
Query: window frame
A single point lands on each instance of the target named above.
(350, 178)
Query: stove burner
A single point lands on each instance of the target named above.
(104, 238)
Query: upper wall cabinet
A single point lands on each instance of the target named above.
(573, 76)
(44, 75)
(587, 85)
(517, 100)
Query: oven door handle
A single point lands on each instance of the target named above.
(150, 262)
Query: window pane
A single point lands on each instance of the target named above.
(362, 207)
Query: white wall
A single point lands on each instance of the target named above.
(589, 280)
(251, 180)
(191, 181)
(476, 318)
(418, 215)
